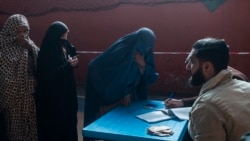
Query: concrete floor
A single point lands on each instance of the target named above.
(80, 115)
(80, 125)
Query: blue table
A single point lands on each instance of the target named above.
(121, 124)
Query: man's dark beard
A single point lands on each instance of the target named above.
(197, 78)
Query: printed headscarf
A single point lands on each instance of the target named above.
(9, 30)
(17, 85)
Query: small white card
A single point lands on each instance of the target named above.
(154, 116)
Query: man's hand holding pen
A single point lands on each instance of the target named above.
(173, 103)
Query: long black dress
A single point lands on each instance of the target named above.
(56, 98)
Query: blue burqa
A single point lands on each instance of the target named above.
(115, 74)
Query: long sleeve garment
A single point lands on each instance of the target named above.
(221, 112)
(17, 82)
(115, 74)
(56, 96)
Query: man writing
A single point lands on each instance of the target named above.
(186, 102)
(221, 111)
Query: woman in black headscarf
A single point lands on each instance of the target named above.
(57, 98)
(121, 74)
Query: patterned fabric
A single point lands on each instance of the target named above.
(17, 85)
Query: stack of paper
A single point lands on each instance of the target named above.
(165, 114)
(180, 113)
(154, 116)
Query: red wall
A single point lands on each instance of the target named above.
(176, 25)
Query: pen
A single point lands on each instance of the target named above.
(171, 95)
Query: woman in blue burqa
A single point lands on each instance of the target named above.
(121, 74)
(56, 96)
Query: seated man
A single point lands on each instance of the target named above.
(186, 102)
(221, 111)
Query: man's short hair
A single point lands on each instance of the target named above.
(213, 50)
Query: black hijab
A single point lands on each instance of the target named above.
(51, 54)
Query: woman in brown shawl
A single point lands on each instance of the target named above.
(18, 55)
